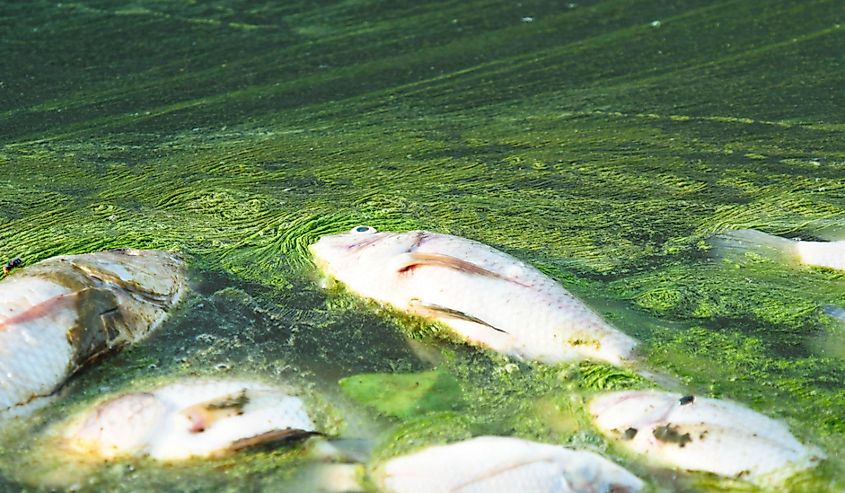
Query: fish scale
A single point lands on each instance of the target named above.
(493, 464)
(487, 297)
(62, 312)
(702, 434)
(188, 418)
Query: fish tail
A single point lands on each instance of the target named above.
(663, 379)
(745, 243)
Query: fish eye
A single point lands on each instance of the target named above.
(363, 229)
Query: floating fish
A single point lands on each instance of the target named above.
(504, 465)
(829, 254)
(59, 314)
(486, 296)
(196, 418)
(701, 434)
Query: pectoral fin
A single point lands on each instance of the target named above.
(98, 326)
(412, 260)
(438, 311)
(272, 437)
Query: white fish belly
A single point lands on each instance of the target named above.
(35, 355)
(700, 434)
(269, 409)
(487, 296)
(535, 322)
(186, 419)
(504, 465)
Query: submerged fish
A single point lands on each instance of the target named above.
(488, 297)
(504, 465)
(836, 312)
(701, 434)
(61, 313)
(829, 254)
(196, 418)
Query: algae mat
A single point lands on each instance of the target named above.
(602, 141)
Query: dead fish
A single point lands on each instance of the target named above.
(830, 254)
(487, 297)
(61, 313)
(493, 464)
(701, 434)
(194, 418)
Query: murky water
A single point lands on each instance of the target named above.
(601, 141)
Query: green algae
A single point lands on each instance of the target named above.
(405, 395)
(593, 142)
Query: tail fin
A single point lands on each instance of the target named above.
(742, 243)
(663, 379)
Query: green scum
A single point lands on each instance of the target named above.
(603, 142)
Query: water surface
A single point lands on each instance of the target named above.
(601, 141)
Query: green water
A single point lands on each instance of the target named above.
(601, 141)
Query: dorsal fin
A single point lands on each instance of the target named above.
(413, 259)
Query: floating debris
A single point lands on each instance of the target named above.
(11, 265)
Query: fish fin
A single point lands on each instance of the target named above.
(203, 415)
(99, 323)
(742, 243)
(446, 312)
(278, 437)
(412, 260)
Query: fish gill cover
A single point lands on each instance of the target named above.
(602, 141)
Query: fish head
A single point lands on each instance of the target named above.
(143, 284)
(119, 426)
(363, 256)
(153, 273)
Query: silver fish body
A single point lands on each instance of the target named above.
(504, 465)
(487, 297)
(701, 434)
(59, 314)
(192, 418)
